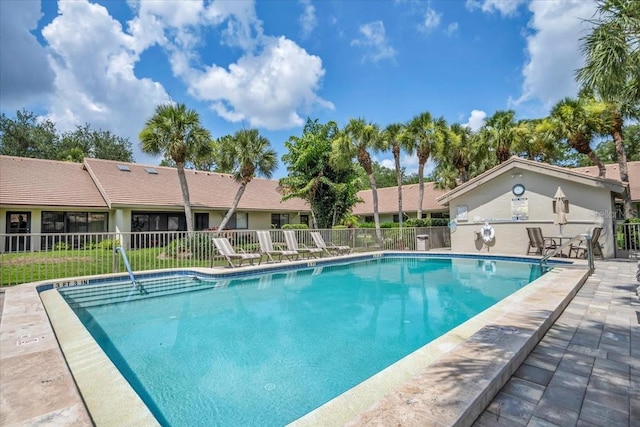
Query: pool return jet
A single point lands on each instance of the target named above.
(135, 284)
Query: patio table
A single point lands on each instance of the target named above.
(560, 240)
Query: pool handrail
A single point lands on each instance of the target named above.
(135, 284)
(578, 238)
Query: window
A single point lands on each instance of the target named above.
(239, 220)
(74, 222)
(143, 221)
(201, 221)
(278, 220)
(19, 226)
(242, 220)
(368, 219)
(304, 219)
(439, 214)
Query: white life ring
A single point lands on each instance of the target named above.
(487, 233)
(489, 267)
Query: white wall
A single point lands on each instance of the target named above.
(589, 207)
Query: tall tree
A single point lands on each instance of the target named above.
(574, 121)
(612, 70)
(499, 133)
(246, 154)
(330, 192)
(533, 140)
(26, 136)
(422, 135)
(392, 138)
(100, 144)
(176, 133)
(355, 141)
(460, 157)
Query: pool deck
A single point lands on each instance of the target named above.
(544, 357)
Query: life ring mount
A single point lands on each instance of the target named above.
(487, 233)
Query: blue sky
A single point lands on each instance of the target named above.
(270, 64)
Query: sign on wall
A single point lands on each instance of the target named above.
(461, 213)
(519, 208)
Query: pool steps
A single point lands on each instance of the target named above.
(114, 293)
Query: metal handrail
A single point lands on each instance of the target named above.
(579, 237)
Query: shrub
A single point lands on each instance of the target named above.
(61, 246)
(414, 222)
(295, 227)
(104, 244)
(198, 246)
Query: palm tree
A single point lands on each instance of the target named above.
(331, 193)
(612, 70)
(576, 123)
(245, 155)
(499, 133)
(355, 140)
(392, 137)
(534, 140)
(423, 134)
(176, 133)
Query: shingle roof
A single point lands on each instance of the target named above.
(28, 182)
(613, 172)
(210, 190)
(516, 162)
(388, 199)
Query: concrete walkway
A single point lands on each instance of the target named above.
(586, 369)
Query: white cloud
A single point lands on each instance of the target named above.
(553, 49)
(431, 21)
(451, 29)
(271, 82)
(25, 74)
(476, 120)
(504, 7)
(308, 19)
(94, 61)
(388, 163)
(91, 60)
(374, 41)
(266, 89)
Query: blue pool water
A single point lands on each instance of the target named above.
(266, 349)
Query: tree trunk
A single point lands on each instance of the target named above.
(602, 171)
(376, 217)
(396, 156)
(185, 196)
(234, 205)
(621, 154)
(420, 187)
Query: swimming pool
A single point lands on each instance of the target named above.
(267, 349)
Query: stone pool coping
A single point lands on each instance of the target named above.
(424, 387)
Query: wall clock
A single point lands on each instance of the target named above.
(518, 190)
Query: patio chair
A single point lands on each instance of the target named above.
(329, 248)
(293, 245)
(267, 248)
(224, 247)
(538, 244)
(580, 250)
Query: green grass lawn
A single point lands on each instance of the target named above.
(37, 266)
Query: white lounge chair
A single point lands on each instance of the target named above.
(267, 248)
(292, 244)
(224, 247)
(330, 248)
